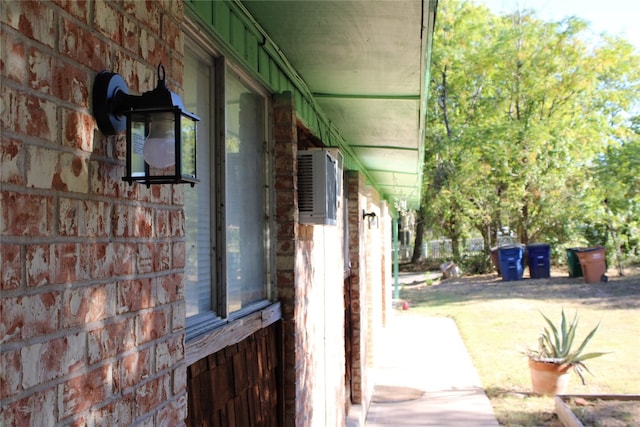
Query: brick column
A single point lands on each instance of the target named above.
(357, 202)
(285, 159)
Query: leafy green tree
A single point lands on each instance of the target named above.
(526, 124)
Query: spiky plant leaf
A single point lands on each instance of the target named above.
(555, 345)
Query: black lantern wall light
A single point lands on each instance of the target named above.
(371, 217)
(161, 135)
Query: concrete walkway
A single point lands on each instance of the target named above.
(426, 377)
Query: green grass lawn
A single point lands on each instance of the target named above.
(499, 320)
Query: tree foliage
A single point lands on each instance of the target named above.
(531, 129)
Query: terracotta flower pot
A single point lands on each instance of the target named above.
(549, 378)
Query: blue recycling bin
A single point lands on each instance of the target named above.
(511, 262)
(539, 260)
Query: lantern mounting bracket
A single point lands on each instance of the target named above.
(160, 133)
(111, 100)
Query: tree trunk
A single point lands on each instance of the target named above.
(455, 248)
(417, 246)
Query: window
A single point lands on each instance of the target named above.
(245, 190)
(226, 215)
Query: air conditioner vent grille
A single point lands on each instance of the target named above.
(317, 187)
(305, 184)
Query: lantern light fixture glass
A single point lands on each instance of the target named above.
(160, 133)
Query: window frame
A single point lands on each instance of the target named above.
(204, 323)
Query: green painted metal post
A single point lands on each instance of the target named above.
(396, 285)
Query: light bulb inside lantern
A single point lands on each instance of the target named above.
(159, 148)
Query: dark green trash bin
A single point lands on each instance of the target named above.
(575, 269)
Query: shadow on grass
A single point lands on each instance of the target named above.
(530, 414)
(617, 293)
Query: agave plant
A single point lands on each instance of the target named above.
(557, 345)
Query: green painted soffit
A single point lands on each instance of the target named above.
(234, 30)
(241, 37)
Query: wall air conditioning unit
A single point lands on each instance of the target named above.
(317, 187)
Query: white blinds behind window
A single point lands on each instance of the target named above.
(245, 194)
(197, 200)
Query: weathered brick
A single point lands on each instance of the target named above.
(179, 379)
(84, 218)
(177, 199)
(37, 409)
(27, 114)
(10, 372)
(112, 259)
(169, 352)
(179, 316)
(179, 254)
(72, 174)
(173, 413)
(133, 368)
(108, 21)
(13, 60)
(38, 265)
(170, 289)
(45, 361)
(119, 413)
(152, 49)
(105, 180)
(110, 340)
(152, 394)
(132, 221)
(77, 8)
(88, 304)
(134, 295)
(41, 313)
(163, 225)
(177, 220)
(41, 166)
(82, 46)
(171, 33)
(77, 132)
(67, 265)
(71, 84)
(152, 325)
(138, 75)
(155, 193)
(10, 266)
(41, 66)
(130, 34)
(81, 392)
(145, 12)
(34, 19)
(12, 157)
(162, 259)
(145, 258)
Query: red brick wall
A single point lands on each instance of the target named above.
(358, 252)
(310, 269)
(92, 315)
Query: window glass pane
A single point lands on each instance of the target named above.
(245, 195)
(199, 267)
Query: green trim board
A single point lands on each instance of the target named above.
(242, 36)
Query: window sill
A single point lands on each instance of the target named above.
(230, 332)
